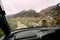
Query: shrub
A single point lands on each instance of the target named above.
(1, 33)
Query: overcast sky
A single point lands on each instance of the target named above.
(14, 6)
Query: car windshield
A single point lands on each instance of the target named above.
(32, 13)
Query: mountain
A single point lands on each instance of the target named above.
(53, 11)
(9, 16)
(29, 13)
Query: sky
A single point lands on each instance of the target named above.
(15, 6)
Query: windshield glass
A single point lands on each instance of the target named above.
(32, 13)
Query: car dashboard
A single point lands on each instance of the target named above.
(31, 34)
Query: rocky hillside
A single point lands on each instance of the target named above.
(52, 14)
(29, 13)
(51, 11)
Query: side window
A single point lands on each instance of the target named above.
(1, 32)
